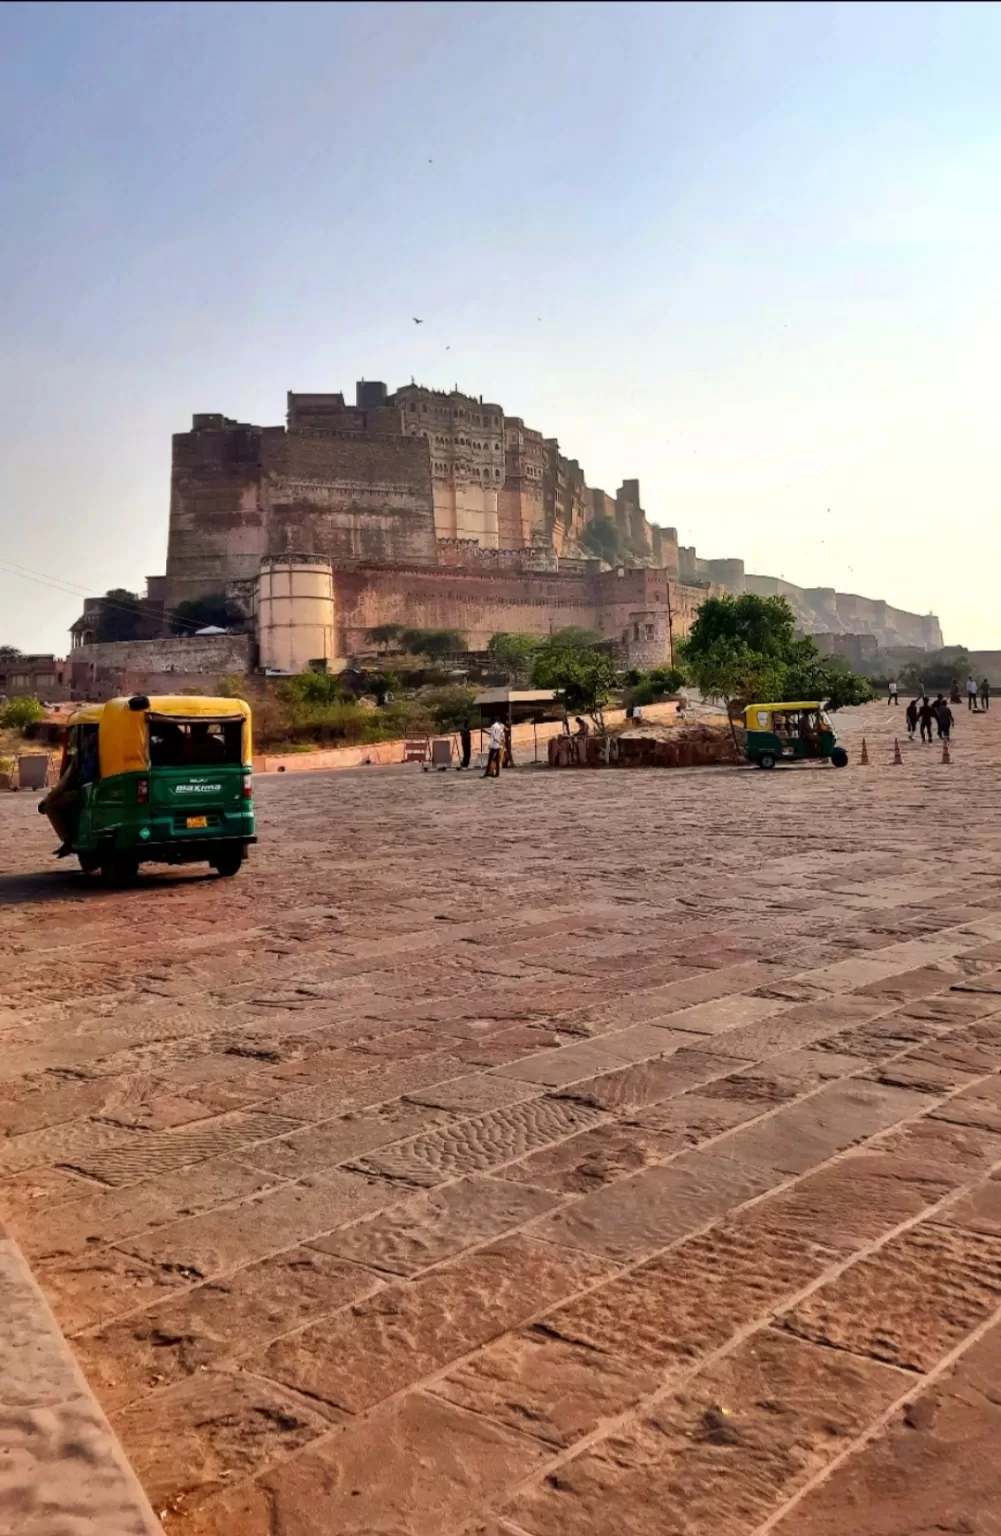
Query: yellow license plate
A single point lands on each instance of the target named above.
(197, 821)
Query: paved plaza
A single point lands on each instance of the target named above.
(596, 1153)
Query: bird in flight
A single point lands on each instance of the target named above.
(418, 322)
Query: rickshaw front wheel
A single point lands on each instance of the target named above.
(766, 760)
(228, 862)
(839, 757)
(89, 862)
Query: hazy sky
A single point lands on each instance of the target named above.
(748, 253)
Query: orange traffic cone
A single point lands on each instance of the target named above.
(864, 759)
(945, 750)
(896, 752)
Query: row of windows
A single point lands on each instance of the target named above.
(443, 413)
(462, 468)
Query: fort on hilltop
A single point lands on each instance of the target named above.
(426, 508)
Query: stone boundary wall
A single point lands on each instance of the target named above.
(177, 653)
(385, 752)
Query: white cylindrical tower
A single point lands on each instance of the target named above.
(295, 613)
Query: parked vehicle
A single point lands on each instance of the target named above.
(791, 733)
(165, 780)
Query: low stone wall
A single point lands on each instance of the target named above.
(523, 739)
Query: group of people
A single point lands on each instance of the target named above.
(978, 695)
(924, 714)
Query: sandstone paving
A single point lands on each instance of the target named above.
(216, 1323)
(910, 1302)
(935, 1469)
(403, 1333)
(592, 1152)
(719, 1453)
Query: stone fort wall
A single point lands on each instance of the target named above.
(240, 492)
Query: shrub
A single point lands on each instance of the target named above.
(20, 712)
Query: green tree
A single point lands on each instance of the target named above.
(936, 670)
(433, 642)
(385, 635)
(119, 615)
(579, 671)
(601, 537)
(449, 707)
(382, 684)
(513, 654)
(9, 653)
(200, 612)
(19, 712)
(747, 647)
(812, 676)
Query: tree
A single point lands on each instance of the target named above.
(118, 616)
(513, 654)
(936, 670)
(194, 613)
(582, 673)
(747, 647)
(382, 684)
(601, 537)
(9, 653)
(575, 636)
(19, 712)
(812, 676)
(433, 642)
(385, 635)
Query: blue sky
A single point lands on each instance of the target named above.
(747, 253)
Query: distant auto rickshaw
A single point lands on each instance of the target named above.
(791, 733)
(165, 780)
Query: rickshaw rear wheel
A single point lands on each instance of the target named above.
(229, 862)
(766, 760)
(119, 869)
(89, 862)
(839, 757)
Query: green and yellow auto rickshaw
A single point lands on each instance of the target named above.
(791, 733)
(162, 780)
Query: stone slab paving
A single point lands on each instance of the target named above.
(583, 1152)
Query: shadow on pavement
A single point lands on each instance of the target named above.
(71, 884)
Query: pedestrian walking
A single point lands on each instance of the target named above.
(946, 720)
(495, 746)
(893, 695)
(466, 743)
(985, 695)
(926, 718)
(911, 716)
(971, 694)
(954, 694)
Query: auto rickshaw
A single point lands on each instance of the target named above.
(791, 733)
(162, 780)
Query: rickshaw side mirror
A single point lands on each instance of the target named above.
(138, 702)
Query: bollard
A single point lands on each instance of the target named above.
(864, 759)
(896, 751)
(945, 750)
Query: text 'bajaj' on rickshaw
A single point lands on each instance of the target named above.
(791, 733)
(164, 780)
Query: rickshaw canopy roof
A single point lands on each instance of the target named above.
(786, 707)
(123, 739)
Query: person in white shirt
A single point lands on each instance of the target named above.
(495, 748)
(892, 695)
(971, 693)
